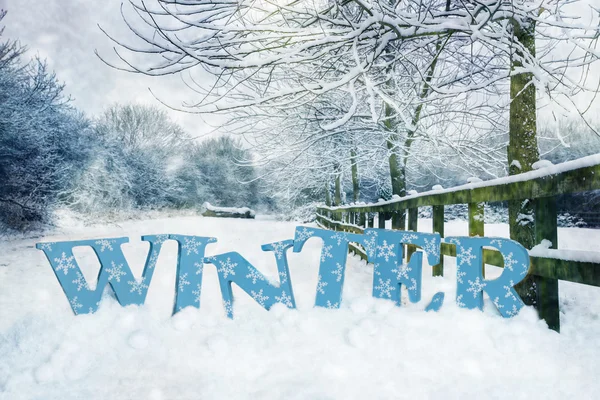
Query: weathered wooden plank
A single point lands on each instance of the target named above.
(546, 288)
(573, 181)
(353, 248)
(587, 273)
(381, 217)
(399, 220)
(413, 220)
(438, 227)
(565, 270)
(476, 219)
(476, 223)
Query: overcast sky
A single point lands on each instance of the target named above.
(66, 33)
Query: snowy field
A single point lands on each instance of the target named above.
(368, 349)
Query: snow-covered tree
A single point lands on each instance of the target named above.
(405, 55)
(41, 139)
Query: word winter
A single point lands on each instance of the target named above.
(384, 249)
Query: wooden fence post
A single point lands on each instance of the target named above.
(381, 220)
(438, 227)
(476, 224)
(413, 221)
(476, 219)
(546, 289)
(399, 220)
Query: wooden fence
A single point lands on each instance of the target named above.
(541, 185)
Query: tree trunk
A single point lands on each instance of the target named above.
(355, 182)
(522, 148)
(397, 175)
(398, 163)
(338, 187)
(327, 195)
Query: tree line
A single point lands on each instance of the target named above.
(129, 158)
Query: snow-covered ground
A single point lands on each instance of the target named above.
(368, 349)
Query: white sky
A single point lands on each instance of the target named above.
(66, 33)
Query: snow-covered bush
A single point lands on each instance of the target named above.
(143, 160)
(135, 147)
(568, 220)
(42, 140)
(219, 170)
(305, 213)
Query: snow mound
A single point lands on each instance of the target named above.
(369, 348)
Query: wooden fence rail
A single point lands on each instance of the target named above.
(542, 186)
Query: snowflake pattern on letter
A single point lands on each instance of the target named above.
(75, 304)
(476, 286)
(509, 262)
(497, 303)
(226, 267)
(80, 282)
(228, 307)
(326, 253)
(465, 257)
(431, 248)
(254, 275)
(332, 305)
(304, 234)
(497, 243)
(115, 272)
(137, 285)
(340, 237)
(160, 239)
(183, 282)
(512, 312)
(105, 244)
(509, 292)
(197, 293)
(258, 297)
(283, 277)
(153, 260)
(402, 271)
(385, 288)
(337, 272)
(370, 244)
(199, 268)
(321, 285)
(386, 250)
(278, 249)
(190, 246)
(284, 299)
(64, 263)
(47, 246)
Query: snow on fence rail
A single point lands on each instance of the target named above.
(548, 266)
